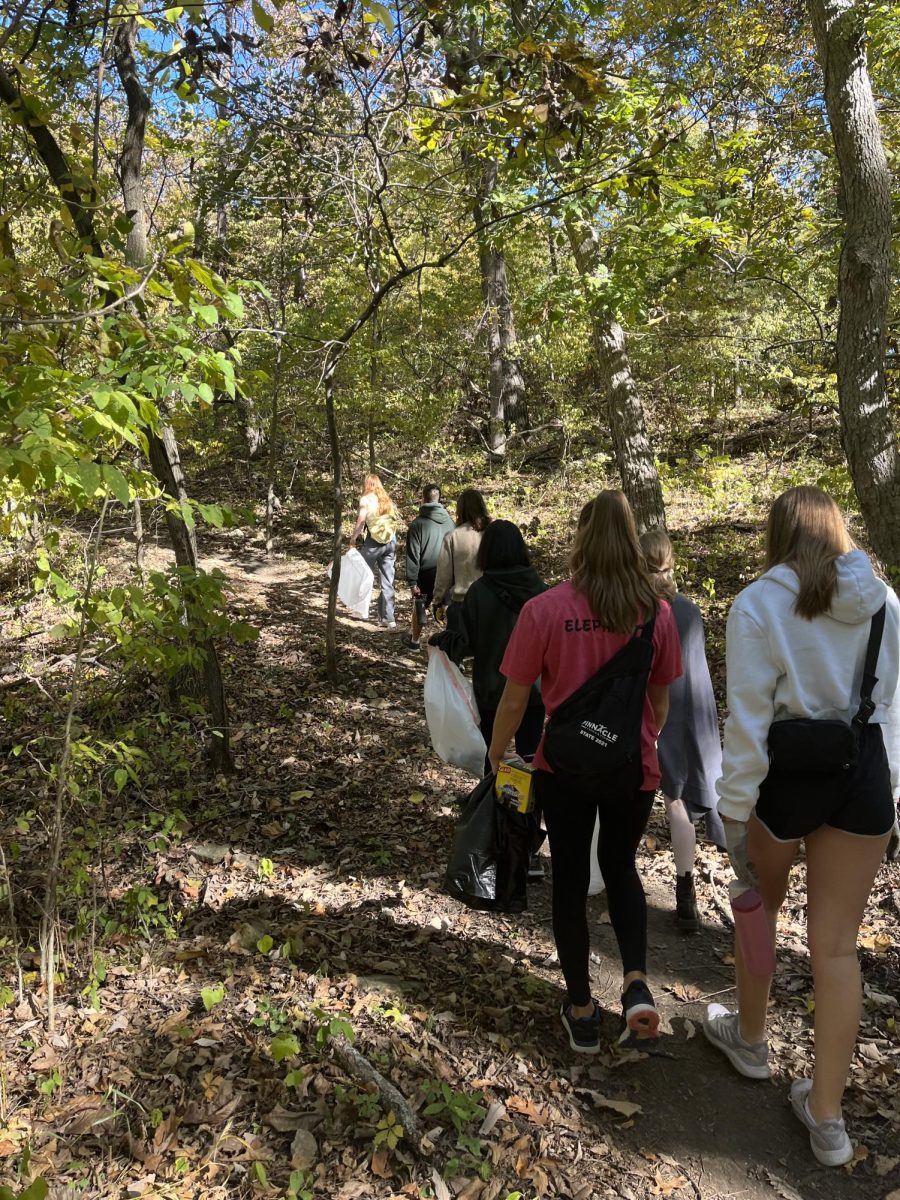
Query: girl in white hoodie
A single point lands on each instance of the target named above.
(795, 647)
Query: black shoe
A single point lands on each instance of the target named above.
(584, 1032)
(640, 1020)
(687, 917)
(536, 872)
(409, 642)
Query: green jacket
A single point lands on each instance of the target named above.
(424, 539)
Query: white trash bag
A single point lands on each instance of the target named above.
(596, 885)
(355, 583)
(452, 715)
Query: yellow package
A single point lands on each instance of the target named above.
(513, 786)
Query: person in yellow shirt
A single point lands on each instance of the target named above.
(378, 516)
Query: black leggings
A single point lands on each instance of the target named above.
(570, 809)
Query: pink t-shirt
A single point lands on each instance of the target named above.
(558, 639)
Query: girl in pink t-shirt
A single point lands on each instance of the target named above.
(564, 637)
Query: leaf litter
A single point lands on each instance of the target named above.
(205, 1062)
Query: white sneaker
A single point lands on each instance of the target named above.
(722, 1029)
(828, 1140)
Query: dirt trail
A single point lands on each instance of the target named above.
(304, 900)
(699, 1122)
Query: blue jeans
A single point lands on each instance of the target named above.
(382, 559)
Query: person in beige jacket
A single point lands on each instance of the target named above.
(457, 569)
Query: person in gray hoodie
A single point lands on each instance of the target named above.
(423, 546)
(796, 645)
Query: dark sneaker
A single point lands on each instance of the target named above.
(584, 1032)
(536, 869)
(409, 642)
(828, 1140)
(687, 917)
(640, 1020)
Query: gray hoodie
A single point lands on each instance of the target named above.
(780, 665)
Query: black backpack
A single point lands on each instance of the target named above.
(596, 733)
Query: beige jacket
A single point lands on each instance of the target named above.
(456, 570)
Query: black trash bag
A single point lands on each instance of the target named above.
(488, 866)
(514, 833)
(472, 870)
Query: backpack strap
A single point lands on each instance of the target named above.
(647, 628)
(869, 679)
(573, 700)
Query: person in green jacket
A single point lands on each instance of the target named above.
(423, 545)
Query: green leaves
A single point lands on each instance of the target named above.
(389, 1132)
(36, 1190)
(213, 514)
(379, 13)
(211, 996)
(208, 314)
(263, 19)
(285, 1046)
(117, 483)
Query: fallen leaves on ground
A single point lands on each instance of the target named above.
(306, 890)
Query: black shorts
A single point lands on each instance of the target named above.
(425, 583)
(792, 805)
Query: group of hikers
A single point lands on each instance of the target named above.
(811, 752)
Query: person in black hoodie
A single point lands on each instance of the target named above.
(489, 613)
(423, 545)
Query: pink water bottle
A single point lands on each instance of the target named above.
(752, 927)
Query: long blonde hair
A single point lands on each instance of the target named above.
(806, 532)
(660, 558)
(607, 564)
(374, 486)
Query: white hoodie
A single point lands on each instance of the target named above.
(780, 665)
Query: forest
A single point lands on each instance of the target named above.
(250, 252)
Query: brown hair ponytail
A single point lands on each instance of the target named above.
(607, 564)
(660, 560)
(806, 531)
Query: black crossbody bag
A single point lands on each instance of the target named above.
(595, 734)
(826, 747)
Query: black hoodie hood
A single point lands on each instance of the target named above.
(514, 585)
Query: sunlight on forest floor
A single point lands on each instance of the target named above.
(264, 916)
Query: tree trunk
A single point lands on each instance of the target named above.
(462, 40)
(163, 448)
(508, 406)
(374, 382)
(133, 143)
(273, 447)
(867, 427)
(252, 429)
(80, 206)
(254, 435)
(631, 445)
(331, 666)
(223, 248)
(137, 522)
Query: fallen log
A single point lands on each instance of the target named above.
(358, 1065)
